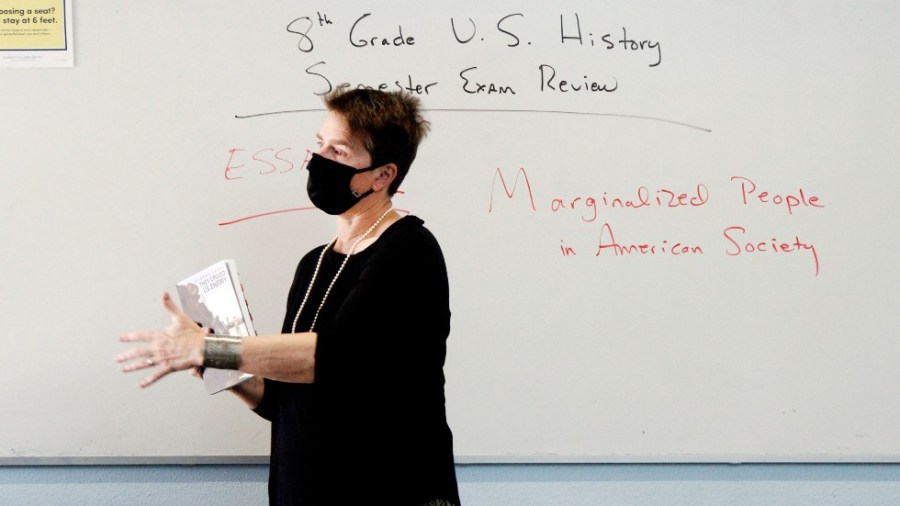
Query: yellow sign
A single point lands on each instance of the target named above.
(32, 25)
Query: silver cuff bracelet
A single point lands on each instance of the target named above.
(222, 352)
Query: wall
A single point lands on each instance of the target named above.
(482, 485)
(100, 33)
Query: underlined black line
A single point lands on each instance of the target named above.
(273, 113)
(518, 111)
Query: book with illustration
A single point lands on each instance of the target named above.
(214, 298)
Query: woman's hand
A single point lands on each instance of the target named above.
(174, 348)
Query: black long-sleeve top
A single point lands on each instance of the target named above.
(372, 426)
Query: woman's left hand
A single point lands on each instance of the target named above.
(174, 348)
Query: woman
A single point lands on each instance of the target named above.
(354, 384)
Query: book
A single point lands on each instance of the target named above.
(214, 298)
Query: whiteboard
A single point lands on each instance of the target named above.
(683, 253)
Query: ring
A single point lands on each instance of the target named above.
(150, 362)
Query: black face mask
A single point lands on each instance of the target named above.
(328, 185)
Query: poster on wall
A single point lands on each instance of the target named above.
(36, 33)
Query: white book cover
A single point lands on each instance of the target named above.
(214, 298)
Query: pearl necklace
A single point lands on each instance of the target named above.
(338, 273)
